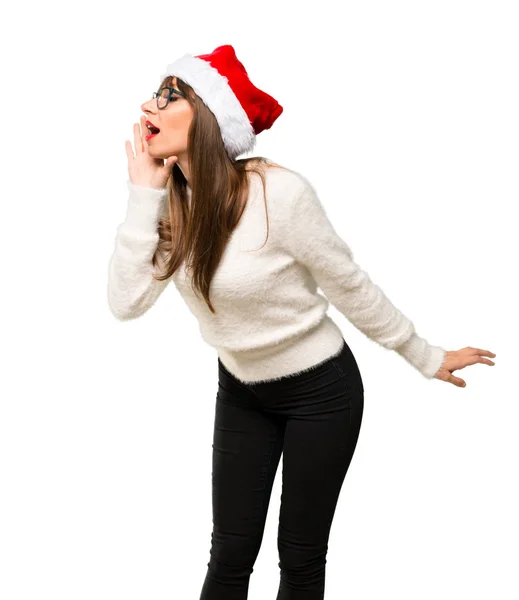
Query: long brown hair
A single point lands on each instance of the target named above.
(198, 234)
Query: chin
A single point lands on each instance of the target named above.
(156, 153)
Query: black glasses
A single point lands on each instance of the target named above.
(164, 96)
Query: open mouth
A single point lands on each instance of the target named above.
(152, 129)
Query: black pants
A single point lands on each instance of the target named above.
(312, 417)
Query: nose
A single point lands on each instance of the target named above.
(145, 106)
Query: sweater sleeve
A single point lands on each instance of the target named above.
(131, 288)
(309, 237)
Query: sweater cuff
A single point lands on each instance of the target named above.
(426, 358)
(145, 207)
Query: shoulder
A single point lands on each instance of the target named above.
(280, 179)
(292, 196)
(289, 193)
(292, 202)
(284, 187)
(285, 181)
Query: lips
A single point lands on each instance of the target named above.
(152, 128)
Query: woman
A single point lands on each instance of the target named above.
(247, 242)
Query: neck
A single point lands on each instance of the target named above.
(183, 163)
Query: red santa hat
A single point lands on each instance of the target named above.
(241, 109)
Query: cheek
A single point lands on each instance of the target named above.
(187, 117)
(178, 122)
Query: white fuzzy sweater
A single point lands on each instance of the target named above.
(270, 320)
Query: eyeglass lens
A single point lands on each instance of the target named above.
(162, 98)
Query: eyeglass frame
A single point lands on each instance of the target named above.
(171, 92)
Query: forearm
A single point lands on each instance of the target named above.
(132, 289)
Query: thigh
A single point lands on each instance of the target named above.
(247, 445)
(318, 448)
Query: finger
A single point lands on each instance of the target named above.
(168, 165)
(469, 359)
(144, 144)
(144, 133)
(480, 351)
(485, 353)
(171, 160)
(456, 381)
(477, 359)
(137, 139)
(129, 150)
(486, 361)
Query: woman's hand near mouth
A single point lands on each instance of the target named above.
(142, 168)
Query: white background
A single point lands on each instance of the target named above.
(405, 117)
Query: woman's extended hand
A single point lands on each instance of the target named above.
(459, 359)
(142, 168)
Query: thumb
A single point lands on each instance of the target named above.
(165, 172)
(170, 161)
(457, 381)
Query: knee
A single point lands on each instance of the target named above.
(233, 553)
(302, 565)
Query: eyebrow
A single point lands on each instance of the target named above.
(169, 86)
